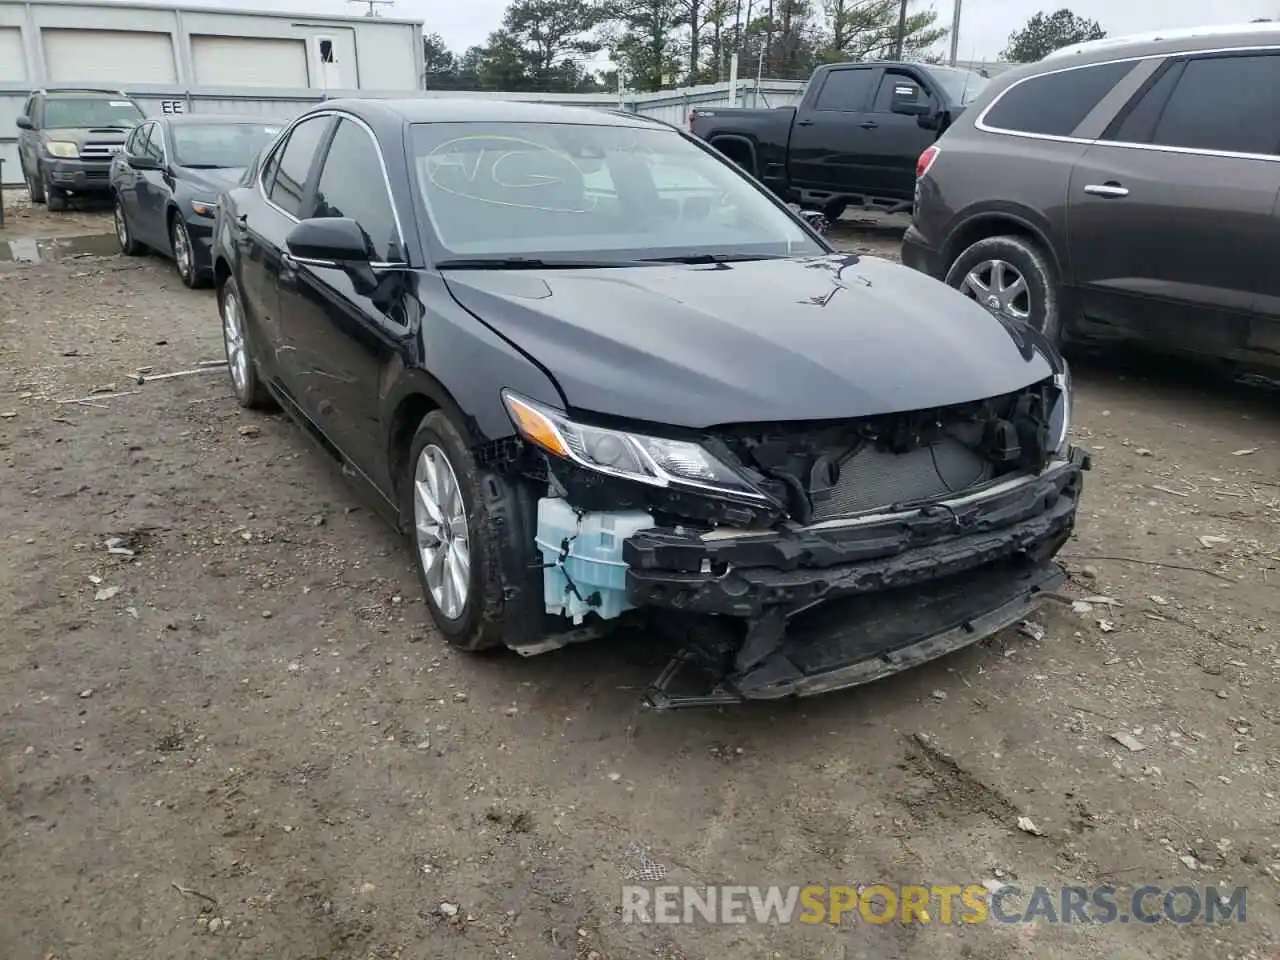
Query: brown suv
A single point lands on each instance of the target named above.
(1119, 190)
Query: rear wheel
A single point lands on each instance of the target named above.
(124, 236)
(834, 210)
(1013, 277)
(450, 537)
(250, 392)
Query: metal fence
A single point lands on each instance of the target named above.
(671, 106)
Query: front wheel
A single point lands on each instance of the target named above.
(35, 187)
(184, 253)
(1013, 277)
(55, 197)
(451, 541)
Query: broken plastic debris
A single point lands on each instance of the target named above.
(1128, 741)
(1081, 606)
(1106, 626)
(106, 593)
(1245, 452)
(1031, 629)
(1026, 825)
(1209, 540)
(1158, 600)
(1108, 601)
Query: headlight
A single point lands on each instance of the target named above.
(1060, 417)
(656, 461)
(61, 148)
(204, 208)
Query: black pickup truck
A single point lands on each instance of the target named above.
(855, 138)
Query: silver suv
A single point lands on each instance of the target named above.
(1121, 189)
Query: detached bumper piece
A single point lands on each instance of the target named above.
(860, 640)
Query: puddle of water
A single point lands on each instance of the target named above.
(36, 250)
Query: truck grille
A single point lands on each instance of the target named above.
(100, 151)
(874, 478)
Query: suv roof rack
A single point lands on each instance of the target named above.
(1260, 28)
(113, 93)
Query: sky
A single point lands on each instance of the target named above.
(985, 25)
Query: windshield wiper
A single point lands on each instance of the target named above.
(695, 258)
(203, 166)
(532, 263)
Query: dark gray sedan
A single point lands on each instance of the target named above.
(167, 181)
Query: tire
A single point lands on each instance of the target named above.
(439, 457)
(184, 253)
(55, 197)
(251, 393)
(124, 236)
(35, 187)
(1035, 304)
(834, 211)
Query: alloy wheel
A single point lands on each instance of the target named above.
(1000, 287)
(182, 249)
(233, 334)
(122, 227)
(440, 531)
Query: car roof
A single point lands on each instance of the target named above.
(481, 110)
(190, 119)
(1165, 42)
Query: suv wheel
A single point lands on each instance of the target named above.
(56, 197)
(452, 545)
(35, 188)
(1010, 276)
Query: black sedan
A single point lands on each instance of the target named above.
(167, 180)
(601, 377)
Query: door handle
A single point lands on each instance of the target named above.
(804, 123)
(868, 125)
(1111, 190)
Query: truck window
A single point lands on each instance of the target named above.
(1228, 103)
(1053, 104)
(884, 95)
(846, 90)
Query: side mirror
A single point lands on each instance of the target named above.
(24, 123)
(336, 241)
(139, 162)
(908, 99)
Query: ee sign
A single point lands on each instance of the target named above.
(173, 106)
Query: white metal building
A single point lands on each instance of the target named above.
(177, 58)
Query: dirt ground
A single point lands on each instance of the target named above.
(240, 737)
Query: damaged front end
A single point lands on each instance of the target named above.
(791, 559)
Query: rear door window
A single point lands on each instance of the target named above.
(884, 95)
(1054, 104)
(1221, 103)
(286, 179)
(846, 90)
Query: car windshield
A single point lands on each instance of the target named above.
(82, 112)
(962, 86)
(220, 144)
(580, 190)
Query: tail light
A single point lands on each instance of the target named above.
(926, 160)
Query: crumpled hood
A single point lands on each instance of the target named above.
(835, 336)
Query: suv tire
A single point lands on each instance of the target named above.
(986, 271)
(35, 188)
(55, 197)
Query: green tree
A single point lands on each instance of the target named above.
(439, 64)
(868, 30)
(1045, 33)
(641, 37)
(541, 45)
